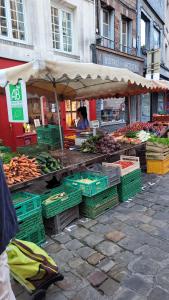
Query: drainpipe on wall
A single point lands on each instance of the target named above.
(137, 28)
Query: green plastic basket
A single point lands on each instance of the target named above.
(32, 150)
(49, 135)
(99, 184)
(131, 177)
(30, 222)
(100, 198)
(25, 204)
(37, 235)
(129, 190)
(93, 212)
(73, 197)
(5, 149)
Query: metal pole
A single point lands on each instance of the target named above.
(60, 131)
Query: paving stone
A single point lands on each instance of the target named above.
(130, 244)
(109, 287)
(126, 294)
(108, 248)
(161, 216)
(149, 228)
(62, 257)
(62, 238)
(101, 228)
(73, 245)
(119, 272)
(162, 278)
(85, 252)
(139, 284)
(152, 252)
(158, 223)
(145, 266)
(71, 285)
(89, 293)
(95, 258)
(96, 278)
(89, 223)
(93, 239)
(75, 262)
(17, 288)
(56, 296)
(121, 217)
(158, 294)
(124, 257)
(115, 236)
(106, 265)
(85, 269)
(24, 296)
(53, 248)
(79, 233)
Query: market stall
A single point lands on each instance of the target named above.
(80, 81)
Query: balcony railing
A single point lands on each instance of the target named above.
(110, 44)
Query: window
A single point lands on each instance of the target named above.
(107, 29)
(61, 29)
(113, 110)
(145, 108)
(12, 19)
(156, 38)
(145, 32)
(126, 35)
(71, 111)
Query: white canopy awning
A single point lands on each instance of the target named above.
(80, 80)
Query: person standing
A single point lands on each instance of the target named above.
(8, 229)
(83, 123)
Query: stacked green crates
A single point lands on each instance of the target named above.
(29, 214)
(94, 206)
(49, 135)
(130, 185)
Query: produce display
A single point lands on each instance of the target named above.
(105, 144)
(161, 117)
(124, 164)
(21, 169)
(6, 157)
(135, 127)
(164, 141)
(54, 198)
(47, 163)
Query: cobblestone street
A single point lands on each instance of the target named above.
(122, 255)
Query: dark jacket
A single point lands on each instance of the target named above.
(8, 220)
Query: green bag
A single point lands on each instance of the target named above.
(31, 266)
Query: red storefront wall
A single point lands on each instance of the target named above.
(8, 131)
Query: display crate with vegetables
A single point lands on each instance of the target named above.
(47, 163)
(113, 174)
(21, 169)
(89, 182)
(157, 149)
(60, 199)
(56, 224)
(126, 164)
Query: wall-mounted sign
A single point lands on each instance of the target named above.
(17, 102)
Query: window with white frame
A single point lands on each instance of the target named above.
(107, 28)
(62, 25)
(125, 35)
(145, 32)
(156, 38)
(12, 19)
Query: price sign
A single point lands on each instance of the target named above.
(17, 102)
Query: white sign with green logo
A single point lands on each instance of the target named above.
(17, 102)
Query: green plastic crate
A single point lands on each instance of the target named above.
(31, 222)
(5, 149)
(99, 184)
(49, 135)
(25, 204)
(100, 198)
(32, 150)
(73, 197)
(37, 235)
(129, 190)
(131, 177)
(93, 212)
